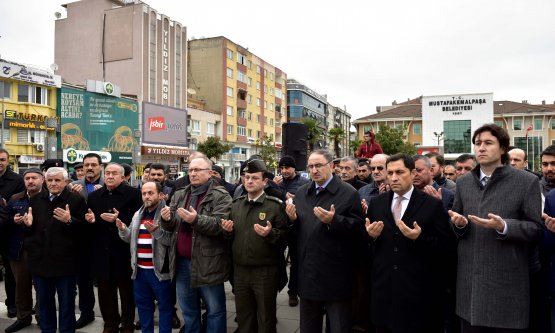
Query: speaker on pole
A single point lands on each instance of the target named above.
(294, 143)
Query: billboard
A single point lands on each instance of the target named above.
(164, 125)
(96, 122)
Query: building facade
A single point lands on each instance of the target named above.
(304, 103)
(29, 122)
(339, 118)
(125, 42)
(248, 92)
(531, 127)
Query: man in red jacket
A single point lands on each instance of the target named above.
(369, 147)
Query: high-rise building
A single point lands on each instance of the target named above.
(247, 91)
(125, 42)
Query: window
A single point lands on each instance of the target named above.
(265, 104)
(271, 136)
(265, 120)
(241, 76)
(229, 54)
(279, 94)
(517, 124)
(229, 92)
(250, 132)
(210, 128)
(241, 113)
(40, 95)
(230, 129)
(257, 101)
(271, 121)
(250, 115)
(23, 93)
(265, 88)
(271, 91)
(257, 85)
(230, 110)
(249, 64)
(250, 99)
(416, 128)
(6, 90)
(241, 130)
(271, 76)
(272, 106)
(457, 136)
(230, 73)
(265, 73)
(241, 58)
(498, 123)
(258, 134)
(553, 124)
(257, 69)
(258, 118)
(38, 137)
(249, 82)
(195, 126)
(23, 136)
(7, 135)
(538, 124)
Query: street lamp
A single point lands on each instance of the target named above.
(438, 136)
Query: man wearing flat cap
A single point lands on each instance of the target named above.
(257, 227)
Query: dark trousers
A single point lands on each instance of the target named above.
(47, 288)
(23, 288)
(9, 281)
(108, 302)
(85, 285)
(361, 295)
(293, 270)
(255, 298)
(467, 328)
(338, 312)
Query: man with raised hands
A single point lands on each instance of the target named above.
(52, 221)
(111, 261)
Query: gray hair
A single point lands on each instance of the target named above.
(426, 160)
(121, 168)
(55, 171)
(352, 160)
(204, 158)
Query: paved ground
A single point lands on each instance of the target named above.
(288, 317)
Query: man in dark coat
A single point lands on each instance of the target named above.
(111, 257)
(327, 214)
(16, 209)
(10, 184)
(52, 221)
(409, 230)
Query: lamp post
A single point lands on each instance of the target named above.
(438, 136)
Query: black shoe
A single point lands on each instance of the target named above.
(176, 323)
(17, 325)
(138, 325)
(83, 321)
(12, 312)
(293, 300)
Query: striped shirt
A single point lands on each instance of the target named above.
(144, 242)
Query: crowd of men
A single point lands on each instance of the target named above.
(378, 243)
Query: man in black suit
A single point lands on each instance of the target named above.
(327, 215)
(408, 229)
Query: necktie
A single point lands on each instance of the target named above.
(52, 197)
(485, 180)
(397, 208)
(319, 190)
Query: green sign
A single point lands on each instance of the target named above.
(97, 122)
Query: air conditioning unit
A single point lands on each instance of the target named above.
(40, 147)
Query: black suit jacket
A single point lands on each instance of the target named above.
(405, 294)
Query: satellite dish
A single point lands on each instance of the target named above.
(191, 91)
(58, 15)
(54, 67)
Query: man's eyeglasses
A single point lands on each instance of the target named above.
(316, 166)
(380, 168)
(195, 170)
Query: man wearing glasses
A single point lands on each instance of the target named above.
(379, 176)
(326, 214)
(202, 261)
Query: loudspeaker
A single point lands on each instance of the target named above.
(294, 143)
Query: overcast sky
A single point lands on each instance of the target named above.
(360, 53)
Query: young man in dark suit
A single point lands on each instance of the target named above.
(409, 229)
